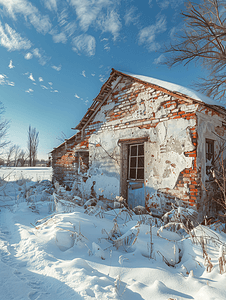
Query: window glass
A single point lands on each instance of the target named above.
(133, 161)
(136, 162)
(140, 149)
(133, 150)
(133, 173)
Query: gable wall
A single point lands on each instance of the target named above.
(135, 110)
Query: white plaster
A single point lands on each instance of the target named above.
(100, 116)
(114, 83)
(177, 88)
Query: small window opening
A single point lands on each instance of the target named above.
(136, 162)
(209, 157)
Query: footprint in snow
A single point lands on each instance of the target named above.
(33, 295)
(90, 293)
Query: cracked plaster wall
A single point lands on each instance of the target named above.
(209, 127)
(168, 140)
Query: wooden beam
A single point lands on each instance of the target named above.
(101, 103)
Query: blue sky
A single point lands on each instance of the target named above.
(56, 54)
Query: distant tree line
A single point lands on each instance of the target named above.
(13, 155)
(17, 157)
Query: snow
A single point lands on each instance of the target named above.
(31, 173)
(177, 88)
(54, 247)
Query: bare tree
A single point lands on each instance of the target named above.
(62, 137)
(16, 155)
(9, 155)
(203, 40)
(32, 145)
(4, 125)
(21, 158)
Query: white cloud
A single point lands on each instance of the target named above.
(104, 39)
(60, 38)
(76, 96)
(57, 68)
(148, 34)
(163, 4)
(40, 55)
(173, 32)
(84, 73)
(110, 23)
(67, 28)
(31, 77)
(12, 40)
(44, 87)
(62, 17)
(102, 78)
(54, 91)
(84, 43)
(50, 83)
(29, 55)
(40, 79)
(36, 53)
(93, 74)
(88, 10)
(99, 14)
(159, 59)
(131, 16)
(107, 47)
(29, 91)
(70, 28)
(11, 66)
(30, 12)
(5, 81)
(51, 4)
(2, 76)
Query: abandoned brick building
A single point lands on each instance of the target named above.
(146, 140)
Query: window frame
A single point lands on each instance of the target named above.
(209, 145)
(136, 167)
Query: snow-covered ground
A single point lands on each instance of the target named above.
(54, 246)
(31, 173)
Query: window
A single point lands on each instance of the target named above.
(136, 162)
(209, 156)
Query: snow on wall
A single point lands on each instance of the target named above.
(177, 88)
(104, 170)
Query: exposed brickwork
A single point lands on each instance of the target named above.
(126, 108)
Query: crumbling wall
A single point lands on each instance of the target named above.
(211, 125)
(65, 163)
(135, 110)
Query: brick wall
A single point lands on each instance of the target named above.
(133, 110)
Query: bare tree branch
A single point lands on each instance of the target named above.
(203, 40)
(4, 126)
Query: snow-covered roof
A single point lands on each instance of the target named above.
(177, 88)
